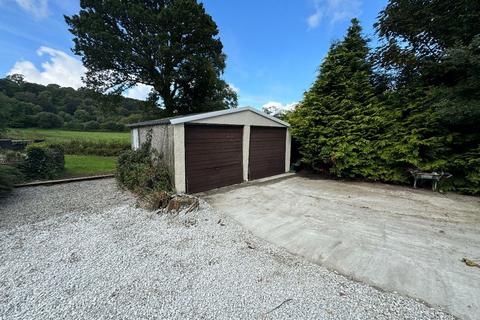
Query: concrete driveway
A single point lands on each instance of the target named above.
(394, 238)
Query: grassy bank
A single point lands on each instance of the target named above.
(86, 153)
(83, 143)
(55, 135)
(77, 166)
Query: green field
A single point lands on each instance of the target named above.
(77, 166)
(55, 135)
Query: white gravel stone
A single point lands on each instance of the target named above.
(84, 251)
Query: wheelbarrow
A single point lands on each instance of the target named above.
(434, 176)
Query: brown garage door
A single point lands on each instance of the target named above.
(213, 156)
(267, 152)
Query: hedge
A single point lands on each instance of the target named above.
(95, 148)
(43, 161)
(8, 177)
(144, 172)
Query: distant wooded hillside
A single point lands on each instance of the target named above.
(25, 105)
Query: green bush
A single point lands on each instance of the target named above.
(43, 161)
(73, 125)
(49, 120)
(113, 126)
(143, 172)
(95, 148)
(8, 177)
(91, 125)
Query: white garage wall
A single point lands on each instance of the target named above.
(246, 151)
(179, 156)
(135, 139)
(288, 151)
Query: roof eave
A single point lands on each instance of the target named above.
(203, 116)
(148, 123)
(225, 112)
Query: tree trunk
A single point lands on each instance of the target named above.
(168, 99)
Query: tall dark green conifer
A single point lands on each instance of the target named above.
(340, 117)
(422, 112)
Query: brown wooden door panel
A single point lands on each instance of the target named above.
(267, 152)
(213, 156)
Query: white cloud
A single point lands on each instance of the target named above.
(234, 88)
(60, 68)
(139, 92)
(38, 8)
(314, 20)
(334, 11)
(275, 108)
(64, 70)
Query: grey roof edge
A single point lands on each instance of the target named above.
(212, 114)
(206, 115)
(148, 123)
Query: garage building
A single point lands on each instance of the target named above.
(220, 148)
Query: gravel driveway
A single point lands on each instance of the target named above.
(83, 251)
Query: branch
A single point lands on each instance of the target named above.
(281, 304)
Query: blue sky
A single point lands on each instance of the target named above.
(274, 47)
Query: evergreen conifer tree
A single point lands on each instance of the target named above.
(340, 118)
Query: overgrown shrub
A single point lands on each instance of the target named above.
(73, 125)
(49, 120)
(91, 125)
(113, 126)
(8, 177)
(43, 161)
(144, 172)
(95, 148)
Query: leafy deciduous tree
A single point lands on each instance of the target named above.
(171, 45)
(417, 33)
(21, 102)
(49, 120)
(433, 49)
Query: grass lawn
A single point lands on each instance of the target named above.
(56, 135)
(76, 166)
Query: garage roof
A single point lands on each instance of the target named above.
(201, 116)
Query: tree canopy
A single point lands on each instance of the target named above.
(170, 45)
(417, 34)
(413, 102)
(338, 119)
(432, 49)
(24, 104)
